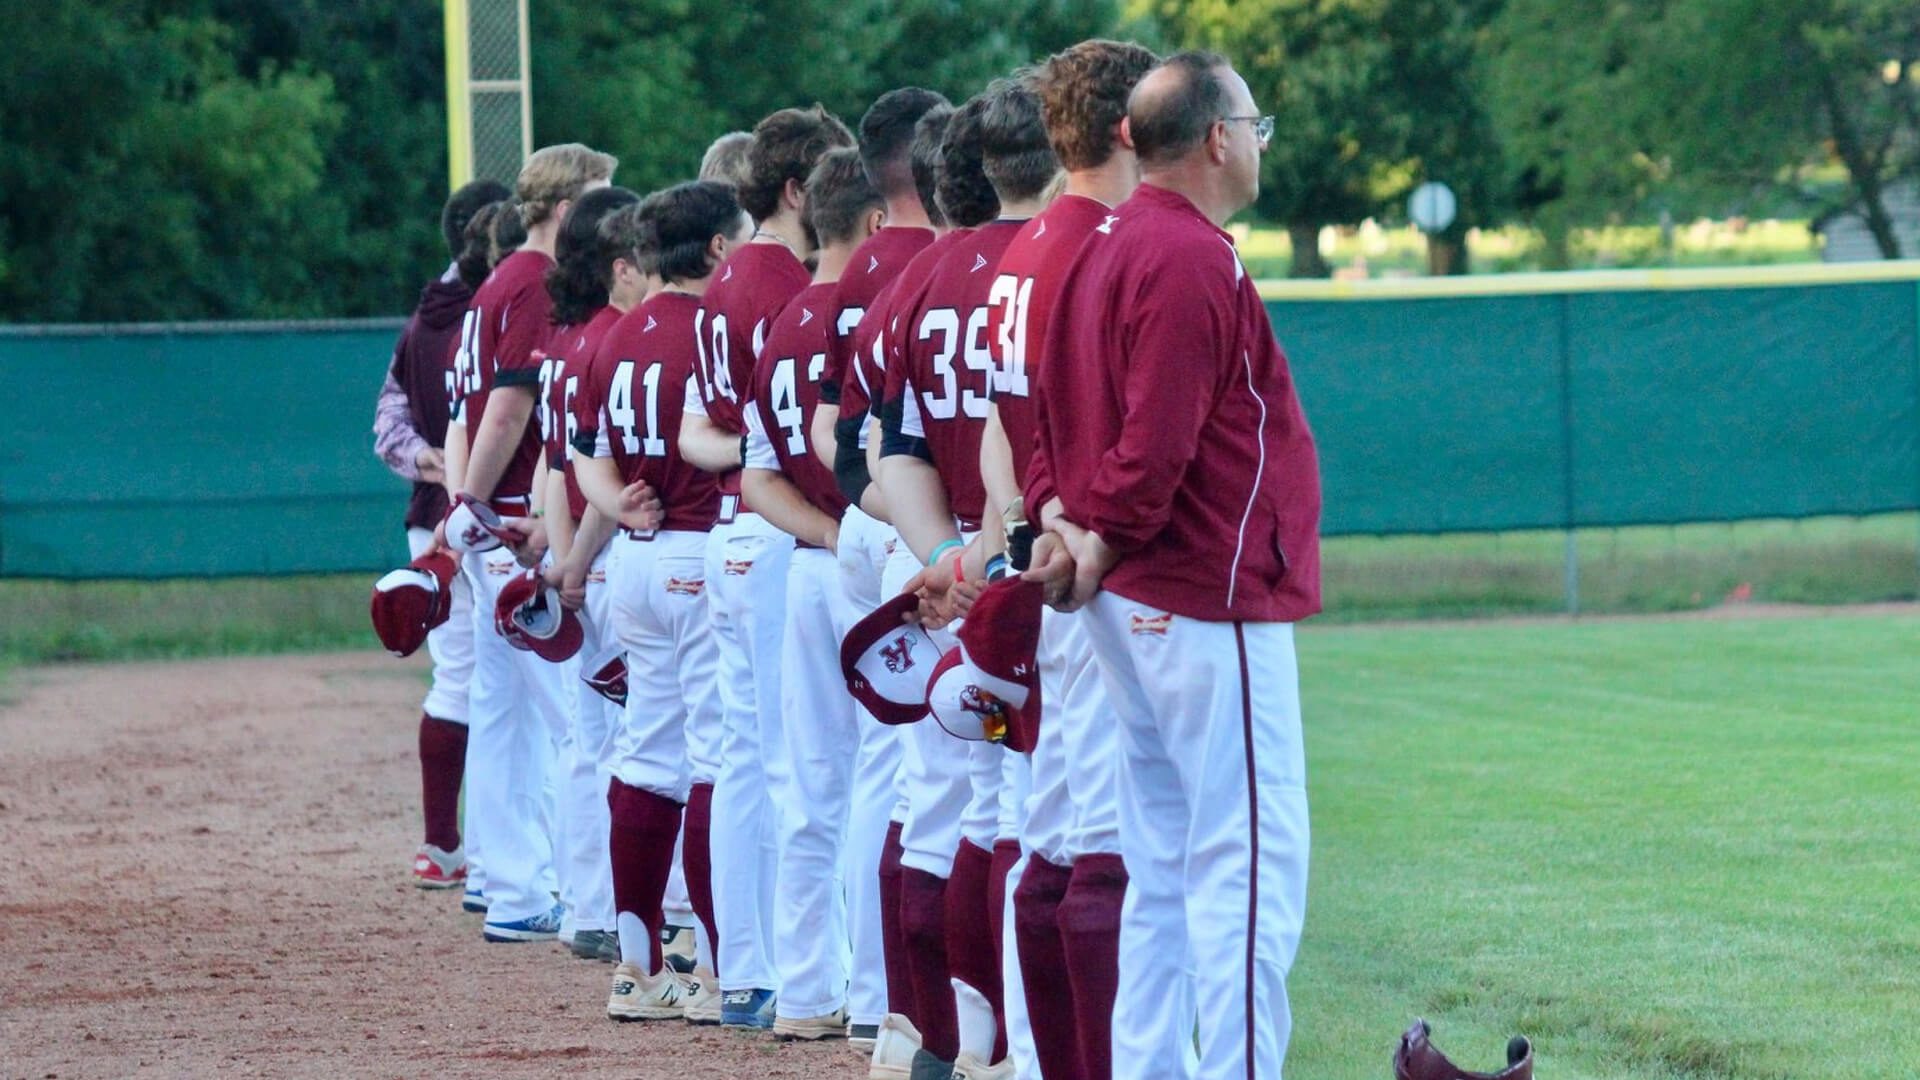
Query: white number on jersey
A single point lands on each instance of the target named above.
(549, 371)
(713, 357)
(1009, 301)
(939, 400)
(787, 411)
(465, 379)
(567, 420)
(621, 414)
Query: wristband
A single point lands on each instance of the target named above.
(996, 568)
(941, 551)
(743, 451)
(960, 569)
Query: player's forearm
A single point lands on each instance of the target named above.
(775, 498)
(600, 481)
(709, 446)
(591, 537)
(456, 456)
(996, 465)
(501, 430)
(395, 441)
(820, 437)
(918, 501)
(558, 515)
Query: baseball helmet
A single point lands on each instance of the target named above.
(530, 616)
(1418, 1059)
(410, 602)
(887, 662)
(609, 680)
(473, 526)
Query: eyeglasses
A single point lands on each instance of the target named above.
(1262, 127)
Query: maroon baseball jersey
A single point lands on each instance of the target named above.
(568, 353)
(1169, 424)
(629, 410)
(863, 382)
(786, 391)
(874, 264)
(1024, 292)
(506, 323)
(938, 367)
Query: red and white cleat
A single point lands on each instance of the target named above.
(437, 869)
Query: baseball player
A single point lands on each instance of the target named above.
(935, 409)
(591, 288)
(822, 732)
(1067, 905)
(409, 434)
(886, 137)
(1175, 468)
(748, 557)
(640, 375)
(516, 709)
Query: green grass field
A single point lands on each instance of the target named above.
(1663, 849)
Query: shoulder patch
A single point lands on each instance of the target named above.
(979, 263)
(873, 262)
(651, 323)
(1107, 225)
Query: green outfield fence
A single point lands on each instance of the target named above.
(1446, 405)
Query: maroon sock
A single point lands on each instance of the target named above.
(973, 956)
(1090, 930)
(923, 923)
(696, 863)
(893, 939)
(443, 760)
(641, 844)
(1043, 968)
(1006, 855)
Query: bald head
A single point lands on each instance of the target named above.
(1176, 104)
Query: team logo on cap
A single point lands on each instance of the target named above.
(686, 586)
(899, 655)
(1156, 625)
(739, 567)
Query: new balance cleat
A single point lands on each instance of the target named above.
(542, 927)
(747, 1008)
(639, 996)
(812, 1028)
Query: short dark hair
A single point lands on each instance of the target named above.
(965, 194)
(786, 145)
(684, 219)
(460, 208)
(924, 157)
(482, 247)
(1169, 125)
(1083, 91)
(886, 137)
(1014, 150)
(578, 279)
(628, 234)
(839, 195)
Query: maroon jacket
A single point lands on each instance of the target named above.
(420, 367)
(1168, 422)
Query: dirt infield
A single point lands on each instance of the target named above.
(206, 873)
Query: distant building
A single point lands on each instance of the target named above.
(1847, 236)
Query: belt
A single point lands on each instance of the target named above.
(729, 509)
(644, 536)
(514, 505)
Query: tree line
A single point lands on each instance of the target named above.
(194, 159)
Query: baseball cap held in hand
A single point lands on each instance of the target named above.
(530, 616)
(988, 689)
(410, 602)
(887, 661)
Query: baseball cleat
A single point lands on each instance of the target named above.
(474, 902)
(639, 996)
(1416, 1058)
(968, 1067)
(747, 1008)
(434, 868)
(895, 1042)
(861, 1036)
(542, 927)
(928, 1067)
(703, 1003)
(812, 1028)
(596, 945)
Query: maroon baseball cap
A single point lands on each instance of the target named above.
(988, 688)
(887, 662)
(473, 526)
(609, 680)
(410, 602)
(530, 616)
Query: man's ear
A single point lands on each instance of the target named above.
(1217, 142)
(876, 218)
(794, 194)
(560, 211)
(1125, 135)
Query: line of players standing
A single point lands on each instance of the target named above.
(728, 420)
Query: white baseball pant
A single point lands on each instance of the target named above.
(659, 613)
(1213, 828)
(934, 769)
(746, 567)
(865, 545)
(450, 645)
(516, 714)
(586, 872)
